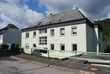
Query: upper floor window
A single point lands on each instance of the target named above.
(43, 31)
(52, 32)
(74, 30)
(43, 40)
(62, 31)
(34, 34)
(27, 35)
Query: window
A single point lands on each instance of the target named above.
(52, 32)
(27, 35)
(74, 47)
(62, 47)
(34, 34)
(34, 45)
(62, 31)
(74, 30)
(52, 46)
(27, 46)
(43, 40)
(43, 31)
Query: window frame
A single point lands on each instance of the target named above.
(74, 47)
(41, 31)
(52, 46)
(34, 34)
(63, 47)
(62, 31)
(27, 46)
(27, 34)
(43, 40)
(52, 32)
(74, 30)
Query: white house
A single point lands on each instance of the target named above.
(64, 34)
(10, 35)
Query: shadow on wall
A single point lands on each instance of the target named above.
(6, 51)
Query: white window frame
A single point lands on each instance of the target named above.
(62, 31)
(43, 40)
(74, 30)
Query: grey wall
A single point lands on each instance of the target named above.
(12, 36)
(91, 39)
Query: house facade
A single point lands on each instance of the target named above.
(10, 35)
(68, 32)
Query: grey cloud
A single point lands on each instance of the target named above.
(95, 8)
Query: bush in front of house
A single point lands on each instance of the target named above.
(36, 53)
(15, 49)
(4, 50)
(107, 50)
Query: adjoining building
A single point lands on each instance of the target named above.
(10, 35)
(65, 34)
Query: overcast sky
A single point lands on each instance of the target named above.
(28, 12)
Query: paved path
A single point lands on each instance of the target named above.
(100, 61)
(15, 65)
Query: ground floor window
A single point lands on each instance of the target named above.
(34, 45)
(62, 47)
(52, 46)
(74, 47)
(27, 46)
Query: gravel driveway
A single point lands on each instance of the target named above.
(17, 65)
(14, 65)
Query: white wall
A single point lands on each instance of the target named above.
(1, 39)
(31, 40)
(85, 39)
(68, 39)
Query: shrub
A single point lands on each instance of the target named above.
(107, 50)
(4, 46)
(15, 49)
(4, 50)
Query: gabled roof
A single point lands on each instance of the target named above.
(65, 16)
(7, 27)
(62, 17)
